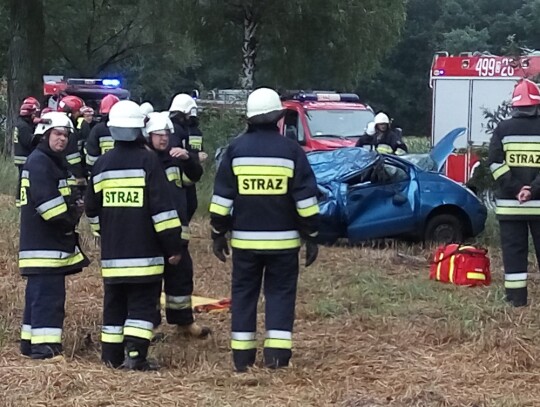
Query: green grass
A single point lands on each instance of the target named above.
(417, 144)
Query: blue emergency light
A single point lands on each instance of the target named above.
(113, 83)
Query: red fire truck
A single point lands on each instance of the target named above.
(89, 90)
(468, 89)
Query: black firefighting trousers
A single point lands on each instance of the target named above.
(43, 318)
(128, 313)
(515, 250)
(178, 287)
(280, 275)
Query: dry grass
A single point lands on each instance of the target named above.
(371, 331)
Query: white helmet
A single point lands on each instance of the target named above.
(147, 108)
(185, 104)
(159, 121)
(53, 120)
(125, 121)
(382, 118)
(264, 106)
(370, 129)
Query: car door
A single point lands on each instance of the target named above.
(384, 204)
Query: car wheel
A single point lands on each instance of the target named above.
(444, 229)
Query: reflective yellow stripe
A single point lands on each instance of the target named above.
(219, 210)
(385, 149)
(111, 272)
(243, 345)
(262, 170)
(278, 343)
(119, 183)
(168, 224)
(515, 284)
(39, 339)
(112, 338)
(439, 265)
(265, 244)
(499, 172)
(25, 182)
(48, 262)
(525, 147)
(452, 267)
(26, 336)
(57, 210)
(517, 211)
(475, 276)
(138, 332)
(310, 211)
(74, 160)
(64, 191)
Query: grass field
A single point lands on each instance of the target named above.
(371, 331)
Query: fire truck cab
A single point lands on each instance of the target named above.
(89, 90)
(468, 91)
(324, 120)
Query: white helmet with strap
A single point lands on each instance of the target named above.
(382, 118)
(264, 106)
(147, 108)
(126, 121)
(53, 120)
(159, 121)
(185, 104)
(370, 129)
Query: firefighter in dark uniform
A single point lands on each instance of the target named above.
(187, 135)
(71, 106)
(178, 280)
(265, 193)
(23, 136)
(128, 203)
(514, 159)
(49, 247)
(100, 140)
(86, 124)
(382, 137)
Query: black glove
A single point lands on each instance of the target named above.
(312, 251)
(220, 247)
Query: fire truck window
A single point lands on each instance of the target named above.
(293, 126)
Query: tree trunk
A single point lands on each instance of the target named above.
(27, 29)
(249, 48)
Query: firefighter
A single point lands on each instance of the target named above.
(178, 279)
(266, 194)
(72, 105)
(129, 205)
(100, 140)
(23, 136)
(386, 140)
(187, 135)
(514, 159)
(49, 247)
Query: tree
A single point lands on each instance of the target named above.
(25, 57)
(304, 43)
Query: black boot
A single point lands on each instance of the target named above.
(243, 359)
(46, 350)
(276, 358)
(26, 347)
(135, 358)
(517, 296)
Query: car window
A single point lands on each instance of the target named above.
(293, 127)
(393, 173)
(338, 122)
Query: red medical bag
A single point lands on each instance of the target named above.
(460, 265)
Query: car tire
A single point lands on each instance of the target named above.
(444, 228)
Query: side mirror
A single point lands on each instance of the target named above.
(399, 199)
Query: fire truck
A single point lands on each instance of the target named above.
(321, 121)
(473, 90)
(89, 90)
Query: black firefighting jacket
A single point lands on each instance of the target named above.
(265, 192)
(74, 155)
(176, 171)
(23, 137)
(514, 160)
(128, 203)
(98, 143)
(48, 242)
(389, 142)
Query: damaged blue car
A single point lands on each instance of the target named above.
(365, 195)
